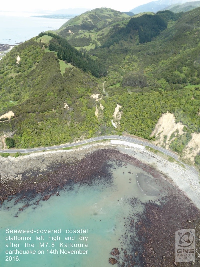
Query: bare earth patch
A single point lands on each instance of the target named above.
(7, 115)
(193, 147)
(96, 112)
(96, 97)
(99, 106)
(165, 127)
(117, 116)
(18, 59)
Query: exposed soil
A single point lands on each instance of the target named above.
(165, 127)
(193, 147)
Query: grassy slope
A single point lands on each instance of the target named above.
(89, 29)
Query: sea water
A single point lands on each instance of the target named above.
(90, 219)
(15, 29)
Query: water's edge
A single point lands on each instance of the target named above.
(138, 204)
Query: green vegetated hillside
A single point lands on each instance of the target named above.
(49, 96)
(142, 67)
(89, 29)
(144, 27)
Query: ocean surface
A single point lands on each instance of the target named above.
(15, 29)
(88, 220)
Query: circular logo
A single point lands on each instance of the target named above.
(186, 239)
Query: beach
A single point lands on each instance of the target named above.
(185, 178)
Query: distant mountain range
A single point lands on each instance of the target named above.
(173, 5)
(176, 8)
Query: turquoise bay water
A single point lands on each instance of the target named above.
(101, 210)
(19, 29)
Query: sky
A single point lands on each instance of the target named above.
(36, 5)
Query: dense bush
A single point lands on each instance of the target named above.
(146, 27)
(135, 79)
(68, 53)
(10, 142)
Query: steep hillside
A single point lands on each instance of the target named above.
(48, 95)
(69, 54)
(56, 97)
(141, 29)
(160, 76)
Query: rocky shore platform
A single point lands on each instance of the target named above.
(149, 239)
(155, 231)
(4, 47)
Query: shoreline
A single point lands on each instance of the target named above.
(34, 178)
(4, 49)
(40, 162)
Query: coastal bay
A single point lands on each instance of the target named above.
(121, 176)
(100, 154)
(18, 29)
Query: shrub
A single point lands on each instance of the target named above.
(135, 79)
(18, 154)
(10, 142)
(5, 155)
(197, 160)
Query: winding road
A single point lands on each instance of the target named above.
(94, 139)
(101, 138)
